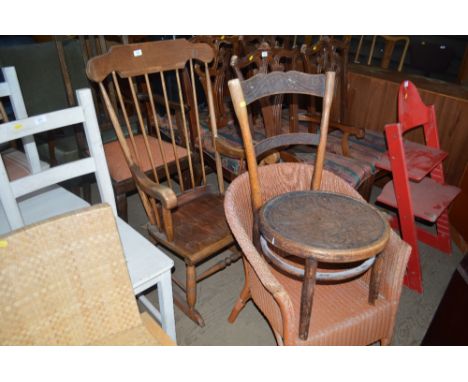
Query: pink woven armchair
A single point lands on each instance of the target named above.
(341, 314)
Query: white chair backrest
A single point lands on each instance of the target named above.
(11, 88)
(83, 113)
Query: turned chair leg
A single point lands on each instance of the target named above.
(239, 305)
(191, 293)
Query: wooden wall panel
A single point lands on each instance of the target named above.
(372, 103)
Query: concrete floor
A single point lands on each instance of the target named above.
(217, 294)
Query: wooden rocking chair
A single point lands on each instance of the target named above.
(187, 217)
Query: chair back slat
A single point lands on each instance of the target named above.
(293, 82)
(148, 57)
(142, 127)
(214, 131)
(185, 130)
(124, 115)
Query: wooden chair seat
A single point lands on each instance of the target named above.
(430, 198)
(118, 166)
(420, 159)
(198, 223)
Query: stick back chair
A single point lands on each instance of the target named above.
(277, 294)
(187, 217)
(65, 282)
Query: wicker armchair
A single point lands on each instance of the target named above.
(65, 282)
(341, 314)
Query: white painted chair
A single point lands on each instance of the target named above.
(19, 163)
(37, 197)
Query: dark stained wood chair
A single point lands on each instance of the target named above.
(361, 149)
(219, 72)
(185, 213)
(363, 315)
(267, 114)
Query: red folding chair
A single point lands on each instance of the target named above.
(418, 189)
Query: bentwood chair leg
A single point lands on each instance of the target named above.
(279, 339)
(240, 303)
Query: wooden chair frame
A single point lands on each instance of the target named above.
(174, 219)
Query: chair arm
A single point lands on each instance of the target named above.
(224, 147)
(163, 194)
(347, 130)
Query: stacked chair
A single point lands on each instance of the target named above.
(341, 314)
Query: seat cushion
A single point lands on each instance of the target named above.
(16, 164)
(353, 171)
(368, 149)
(117, 164)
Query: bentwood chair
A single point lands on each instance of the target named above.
(65, 282)
(341, 314)
(186, 218)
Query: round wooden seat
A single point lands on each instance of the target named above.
(326, 227)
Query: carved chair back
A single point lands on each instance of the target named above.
(262, 85)
(265, 60)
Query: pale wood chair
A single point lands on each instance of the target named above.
(365, 313)
(37, 196)
(65, 282)
(185, 214)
